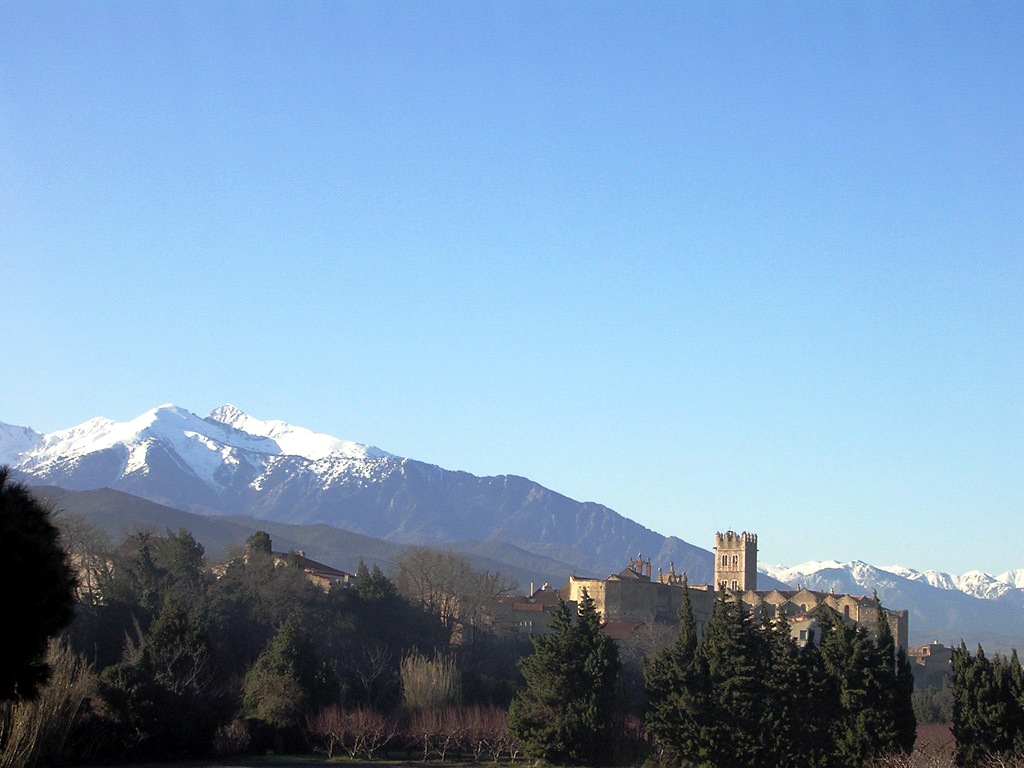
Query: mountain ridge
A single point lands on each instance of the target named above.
(289, 474)
(288, 479)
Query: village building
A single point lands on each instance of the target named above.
(636, 596)
(528, 615)
(932, 664)
(324, 576)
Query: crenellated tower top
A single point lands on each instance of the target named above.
(736, 561)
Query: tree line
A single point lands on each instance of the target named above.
(745, 694)
(988, 707)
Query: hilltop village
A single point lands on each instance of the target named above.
(635, 597)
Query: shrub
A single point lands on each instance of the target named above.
(38, 731)
(429, 683)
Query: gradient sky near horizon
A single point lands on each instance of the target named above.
(714, 265)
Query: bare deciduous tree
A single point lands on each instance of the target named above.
(446, 584)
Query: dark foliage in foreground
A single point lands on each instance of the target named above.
(39, 589)
(746, 695)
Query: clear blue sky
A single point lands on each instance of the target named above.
(716, 265)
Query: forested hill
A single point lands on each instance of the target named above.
(120, 514)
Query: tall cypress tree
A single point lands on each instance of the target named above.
(677, 694)
(903, 716)
(565, 713)
(979, 708)
(784, 711)
(730, 652)
(883, 708)
(851, 660)
(821, 700)
(1015, 699)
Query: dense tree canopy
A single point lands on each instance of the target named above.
(988, 706)
(746, 695)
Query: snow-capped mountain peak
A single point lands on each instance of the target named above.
(291, 440)
(101, 452)
(974, 583)
(15, 441)
(1014, 578)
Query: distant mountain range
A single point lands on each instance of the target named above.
(228, 474)
(975, 607)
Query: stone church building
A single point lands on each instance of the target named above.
(636, 596)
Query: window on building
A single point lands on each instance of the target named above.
(725, 560)
(735, 561)
(803, 635)
(735, 584)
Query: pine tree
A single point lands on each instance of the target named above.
(565, 713)
(821, 705)
(885, 709)
(164, 693)
(1015, 699)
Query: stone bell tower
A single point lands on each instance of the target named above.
(736, 561)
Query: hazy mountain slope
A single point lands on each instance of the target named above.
(120, 514)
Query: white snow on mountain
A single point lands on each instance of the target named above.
(291, 440)
(15, 441)
(792, 575)
(974, 583)
(226, 439)
(1014, 578)
(230, 450)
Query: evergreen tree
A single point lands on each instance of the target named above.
(988, 712)
(259, 542)
(288, 679)
(39, 589)
(904, 715)
(821, 706)
(565, 713)
(373, 584)
(982, 710)
(785, 711)
(1015, 699)
(164, 696)
(730, 653)
(853, 661)
(677, 694)
(890, 713)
